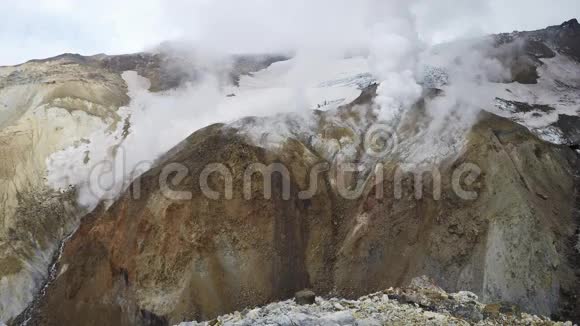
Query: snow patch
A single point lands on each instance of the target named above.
(104, 164)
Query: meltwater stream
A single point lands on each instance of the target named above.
(26, 316)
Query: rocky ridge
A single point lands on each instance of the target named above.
(197, 259)
(47, 106)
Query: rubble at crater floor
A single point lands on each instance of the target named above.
(422, 303)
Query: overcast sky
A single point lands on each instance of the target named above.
(42, 28)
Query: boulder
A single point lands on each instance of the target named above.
(305, 297)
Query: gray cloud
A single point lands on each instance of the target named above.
(32, 29)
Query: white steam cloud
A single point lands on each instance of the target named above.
(333, 42)
(394, 51)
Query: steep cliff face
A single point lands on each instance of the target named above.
(157, 259)
(45, 107)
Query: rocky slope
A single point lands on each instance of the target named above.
(156, 260)
(44, 107)
(422, 303)
(47, 106)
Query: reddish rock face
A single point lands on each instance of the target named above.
(154, 260)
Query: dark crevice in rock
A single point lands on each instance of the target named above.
(523, 107)
(27, 316)
(570, 127)
(150, 319)
(571, 296)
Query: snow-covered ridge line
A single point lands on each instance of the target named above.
(153, 123)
